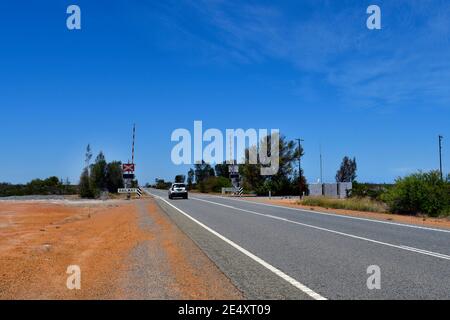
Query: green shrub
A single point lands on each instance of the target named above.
(162, 185)
(419, 193)
(214, 184)
(49, 186)
(358, 204)
(371, 190)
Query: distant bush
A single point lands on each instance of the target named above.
(8, 190)
(162, 185)
(49, 186)
(370, 190)
(213, 184)
(358, 204)
(420, 193)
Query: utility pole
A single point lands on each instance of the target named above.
(134, 139)
(321, 165)
(440, 156)
(300, 165)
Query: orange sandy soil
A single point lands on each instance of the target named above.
(417, 220)
(39, 240)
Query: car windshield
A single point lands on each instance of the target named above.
(179, 186)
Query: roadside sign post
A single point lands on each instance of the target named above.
(129, 191)
(128, 167)
(234, 175)
(128, 170)
(128, 176)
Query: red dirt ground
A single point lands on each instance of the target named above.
(38, 241)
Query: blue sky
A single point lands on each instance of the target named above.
(310, 68)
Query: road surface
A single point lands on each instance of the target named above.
(272, 252)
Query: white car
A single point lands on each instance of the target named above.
(178, 190)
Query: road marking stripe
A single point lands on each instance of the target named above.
(411, 249)
(439, 255)
(268, 266)
(336, 215)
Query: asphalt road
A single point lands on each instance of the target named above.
(272, 252)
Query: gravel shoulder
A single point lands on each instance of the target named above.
(125, 250)
(169, 265)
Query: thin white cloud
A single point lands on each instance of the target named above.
(405, 63)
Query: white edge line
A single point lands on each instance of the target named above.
(335, 215)
(402, 247)
(268, 266)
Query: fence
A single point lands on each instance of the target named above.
(333, 190)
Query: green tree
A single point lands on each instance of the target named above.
(203, 171)
(284, 181)
(347, 171)
(85, 185)
(114, 176)
(181, 178)
(252, 180)
(222, 170)
(88, 155)
(190, 178)
(299, 184)
(100, 176)
(98, 173)
(287, 181)
(134, 183)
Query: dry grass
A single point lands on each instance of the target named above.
(357, 204)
